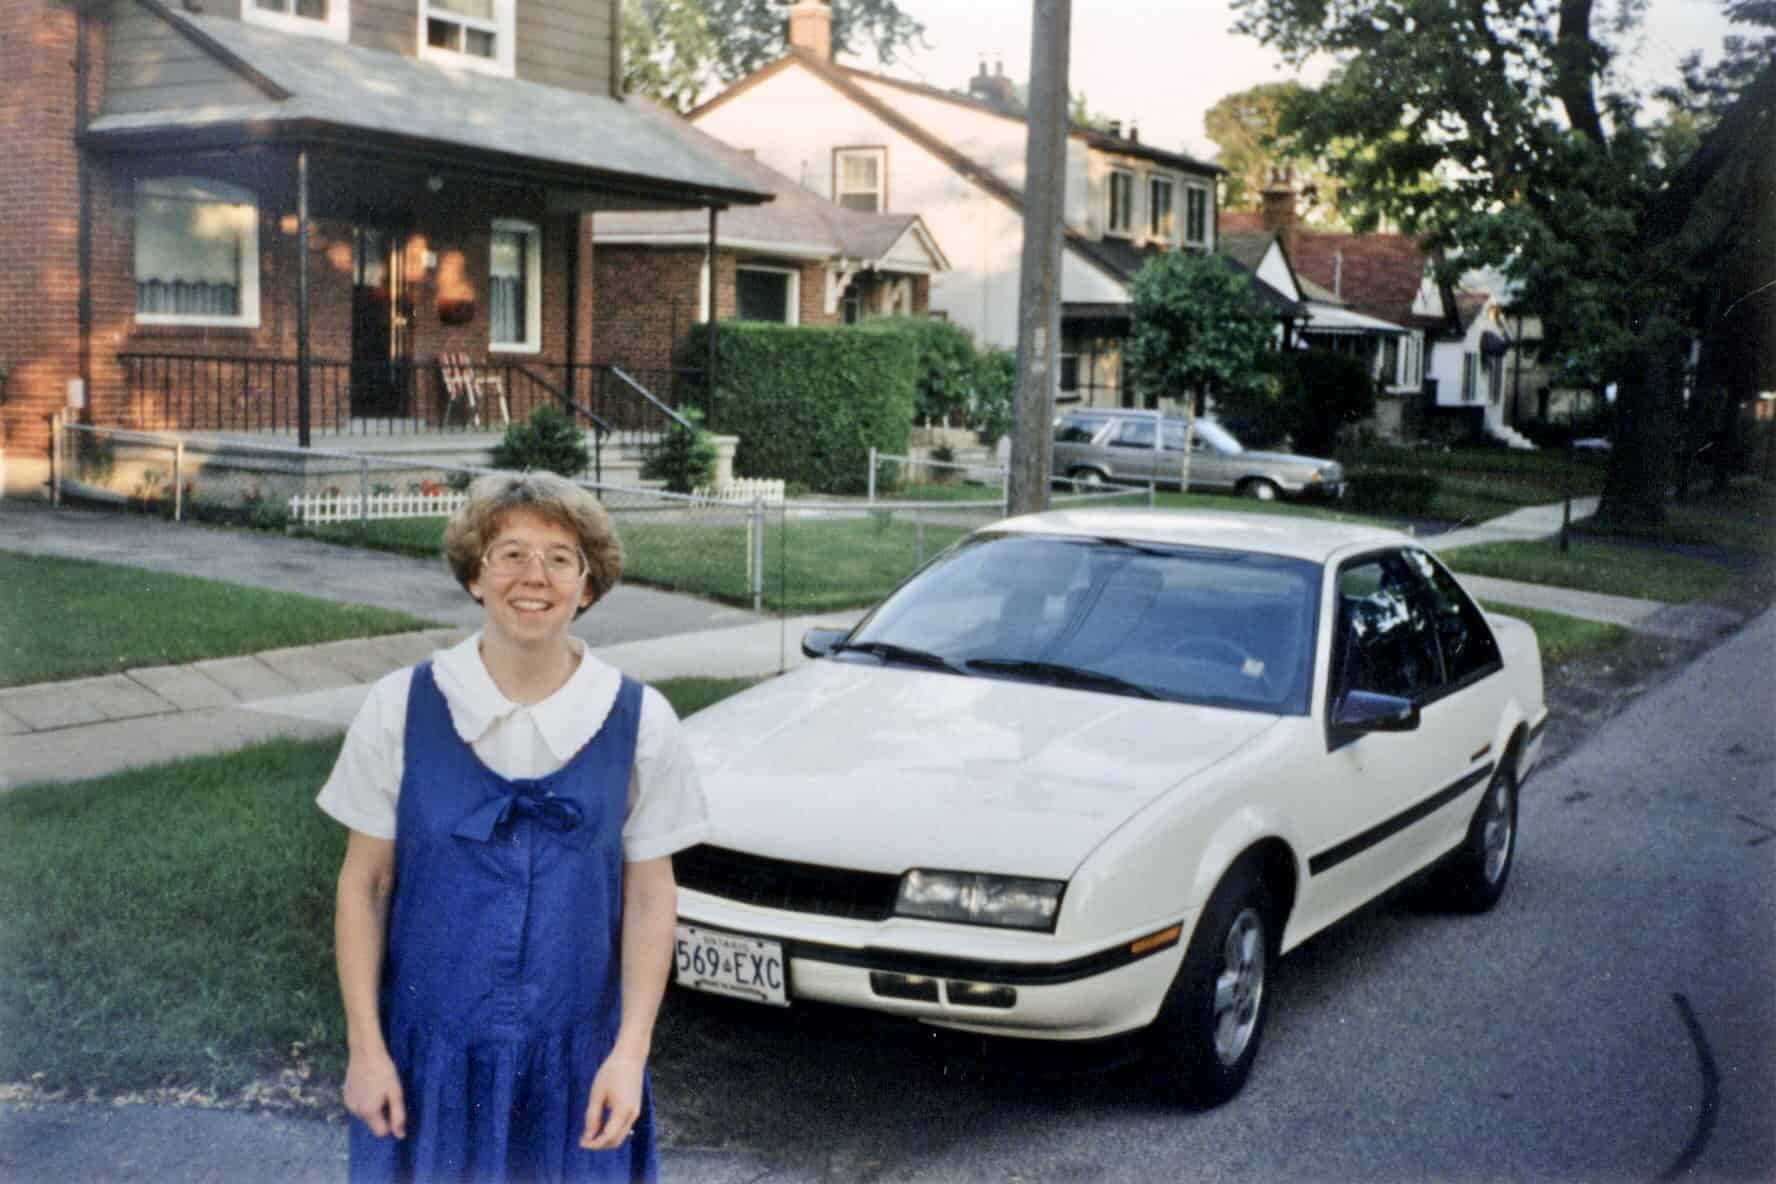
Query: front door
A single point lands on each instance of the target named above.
(381, 341)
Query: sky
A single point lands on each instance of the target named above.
(1164, 64)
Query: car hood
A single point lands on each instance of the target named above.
(884, 768)
(1285, 458)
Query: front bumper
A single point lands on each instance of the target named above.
(1057, 992)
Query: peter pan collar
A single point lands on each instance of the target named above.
(567, 719)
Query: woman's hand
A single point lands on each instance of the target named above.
(615, 1102)
(373, 1094)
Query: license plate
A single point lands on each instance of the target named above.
(730, 964)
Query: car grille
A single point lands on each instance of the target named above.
(780, 884)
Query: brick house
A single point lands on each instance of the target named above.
(275, 215)
(799, 259)
(872, 142)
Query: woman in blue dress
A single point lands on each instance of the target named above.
(505, 909)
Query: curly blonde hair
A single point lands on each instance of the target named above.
(555, 499)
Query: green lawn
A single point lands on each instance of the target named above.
(69, 618)
(1562, 637)
(1741, 518)
(1480, 483)
(1596, 567)
(172, 927)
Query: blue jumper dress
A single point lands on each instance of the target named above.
(501, 991)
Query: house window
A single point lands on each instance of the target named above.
(1160, 222)
(515, 288)
(1196, 215)
(197, 253)
(860, 179)
(475, 34)
(1470, 366)
(768, 294)
(1122, 202)
(313, 18)
(1390, 361)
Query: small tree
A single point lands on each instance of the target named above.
(551, 440)
(1198, 331)
(995, 379)
(684, 458)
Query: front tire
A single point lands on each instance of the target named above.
(1206, 1038)
(1261, 490)
(1089, 480)
(1473, 878)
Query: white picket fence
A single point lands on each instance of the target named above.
(743, 491)
(319, 509)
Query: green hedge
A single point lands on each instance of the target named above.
(808, 403)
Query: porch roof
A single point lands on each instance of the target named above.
(1325, 318)
(326, 94)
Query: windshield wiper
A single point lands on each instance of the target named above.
(1062, 675)
(888, 651)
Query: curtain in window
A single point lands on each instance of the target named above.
(508, 292)
(191, 250)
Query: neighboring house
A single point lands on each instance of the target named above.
(880, 144)
(1259, 255)
(798, 260)
(1471, 369)
(439, 159)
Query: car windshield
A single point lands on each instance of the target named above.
(1222, 628)
(1220, 437)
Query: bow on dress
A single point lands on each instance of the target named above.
(529, 799)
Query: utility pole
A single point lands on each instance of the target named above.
(1039, 277)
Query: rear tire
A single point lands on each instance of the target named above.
(1206, 1038)
(1473, 877)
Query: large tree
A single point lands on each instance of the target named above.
(1243, 126)
(675, 51)
(1502, 131)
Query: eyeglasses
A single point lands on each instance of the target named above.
(562, 564)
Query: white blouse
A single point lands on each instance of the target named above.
(666, 811)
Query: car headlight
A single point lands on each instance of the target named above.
(1012, 902)
(1315, 476)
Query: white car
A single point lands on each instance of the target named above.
(1090, 772)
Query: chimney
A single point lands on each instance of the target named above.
(1116, 128)
(995, 89)
(1277, 210)
(810, 28)
(1134, 132)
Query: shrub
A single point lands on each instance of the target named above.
(995, 386)
(809, 402)
(551, 440)
(1336, 390)
(1409, 494)
(1266, 408)
(684, 458)
(944, 386)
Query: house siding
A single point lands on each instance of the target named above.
(152, 67)
(388, 25)
(566, 43)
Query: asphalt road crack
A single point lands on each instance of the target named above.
(1710, 1107)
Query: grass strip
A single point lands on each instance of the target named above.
(172, 927)
(1564, 638)
(1596, 567)
(71, 618)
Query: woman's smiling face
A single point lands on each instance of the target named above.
(529, 605)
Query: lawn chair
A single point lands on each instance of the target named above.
(462, 384)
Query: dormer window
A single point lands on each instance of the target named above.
(312, 18)
(474, 34)
(860, 179)
(1161, 222)
(1122, 202)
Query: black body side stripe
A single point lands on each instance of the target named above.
(1022, 974)
(1330, 858)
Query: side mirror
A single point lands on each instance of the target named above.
(818, 643)
(1366, 711)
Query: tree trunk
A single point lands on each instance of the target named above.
(1649, 410)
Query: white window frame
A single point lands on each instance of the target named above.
(337, 26)
(1155, 182)
(1126, 227)
(881, 189)
(533, 288)
(194, 188)
(503, 26)
(793, 297)
(1208, 216)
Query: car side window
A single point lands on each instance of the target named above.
(1077, 429)
(1467, 646)
(1134, 433)
(1385, 641)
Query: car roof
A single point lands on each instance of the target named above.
(1313, 539)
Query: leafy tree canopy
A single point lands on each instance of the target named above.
(1503, 133)
(1243, 126)
(1197, 328)
(676, 50)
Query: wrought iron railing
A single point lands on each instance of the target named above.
(250, 393)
